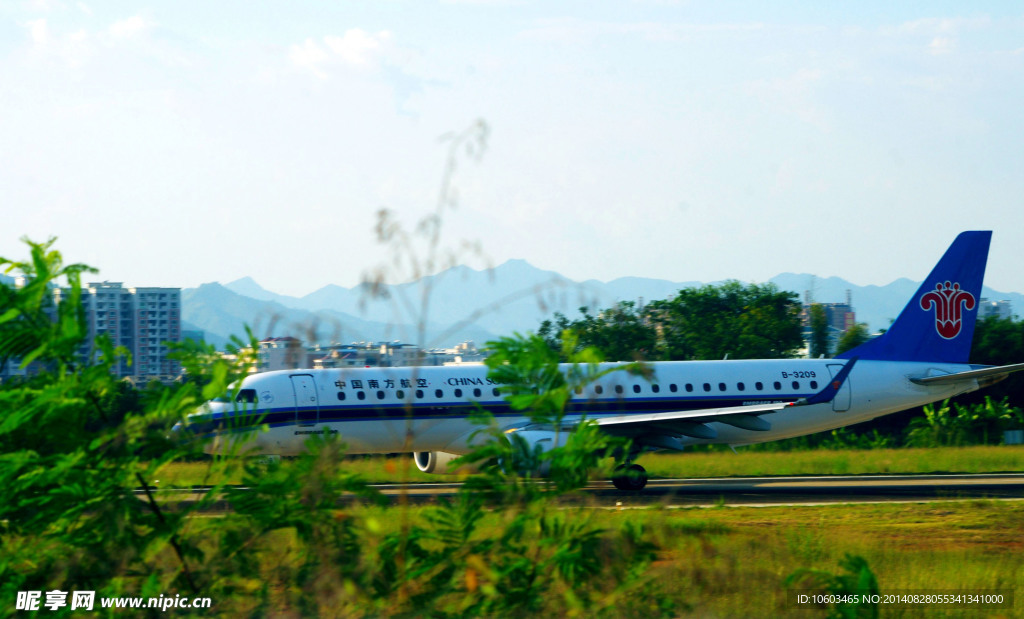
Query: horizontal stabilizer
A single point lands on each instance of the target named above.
(996, 372)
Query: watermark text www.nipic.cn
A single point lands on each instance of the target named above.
(86, 600)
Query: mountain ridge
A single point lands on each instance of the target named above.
(515, 296)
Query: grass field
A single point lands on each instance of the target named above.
(380, 469)
(733, 562)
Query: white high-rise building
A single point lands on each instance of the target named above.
(142, 320)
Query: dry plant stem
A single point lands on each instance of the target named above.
(174, 536)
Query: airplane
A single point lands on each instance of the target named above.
(922, 358)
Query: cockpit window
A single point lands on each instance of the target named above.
(247, 395)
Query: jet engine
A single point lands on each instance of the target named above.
(434, 462)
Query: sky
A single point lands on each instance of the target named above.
(177, 143)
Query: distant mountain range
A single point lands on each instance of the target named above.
(478, 305)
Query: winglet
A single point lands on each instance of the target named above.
(831, 389)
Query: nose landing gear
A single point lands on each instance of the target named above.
(630, 477)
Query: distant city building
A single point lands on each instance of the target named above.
(142, 320)
(840, 317)
(396, 354)
(389, 354)
(280, 353)
(157, 322)
(995, 309)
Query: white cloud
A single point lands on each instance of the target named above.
(575, 31)
(43, 5)
(944, 25)
(941, 45)
(358, 47)
(129, 27)
(309, 56)
(39, 32)
(72, 49)
(355, 48)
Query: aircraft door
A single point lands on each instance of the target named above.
(307, 405)
(841, 402)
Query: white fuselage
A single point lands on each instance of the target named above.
(411, 409)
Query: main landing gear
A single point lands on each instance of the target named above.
(630, 477)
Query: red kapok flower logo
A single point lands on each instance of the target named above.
(949, 303)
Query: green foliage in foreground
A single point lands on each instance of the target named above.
(71, 463)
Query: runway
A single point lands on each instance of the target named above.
(736, 491)
(777, 490)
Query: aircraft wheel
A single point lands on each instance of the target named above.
(632, 477)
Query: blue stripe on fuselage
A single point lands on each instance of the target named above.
(461, 409)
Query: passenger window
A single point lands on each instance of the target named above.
(796, 384)
(778, 386)
(438, 393)
(655, 388)
(476, 393)
(721, 386)
(636, 388)
(759, 386)
(419, 394)
(689, 388)
(380, 395)
(400, 394)
(672, 387)
(341, 395)
(495, 391)
(814, 384)
(707, 386)
(740, 386)
(458, 393)
(618, 388)
(360, 395)
(599, 390)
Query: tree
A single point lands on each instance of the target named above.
(621, 333)
(753, 321)
(854, 337)
(999, 341)
(819, 332)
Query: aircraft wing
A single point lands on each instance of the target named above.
(995, 373)
(689, 422)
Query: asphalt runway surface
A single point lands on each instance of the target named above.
(739, 491)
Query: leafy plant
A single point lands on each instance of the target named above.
(855, 583)
(959, 424)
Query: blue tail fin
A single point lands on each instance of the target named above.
(938, 323)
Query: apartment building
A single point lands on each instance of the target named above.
(142, 320)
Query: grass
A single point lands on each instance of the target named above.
(977, 459)
(733, 562)
(980, 459)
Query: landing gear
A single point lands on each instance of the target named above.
(631, 477)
